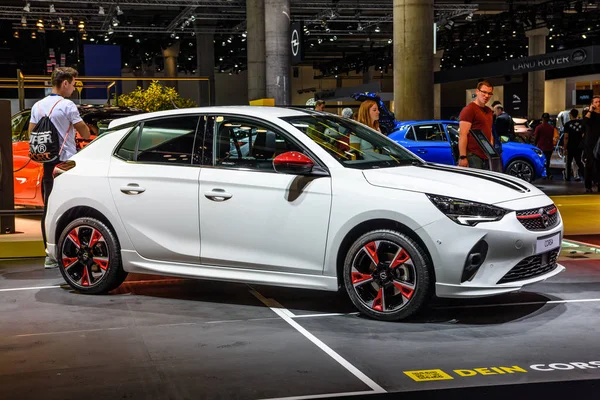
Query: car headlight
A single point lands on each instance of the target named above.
(465, 212)
(538, 152)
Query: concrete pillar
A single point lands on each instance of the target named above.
(205, 54)
(170, 57)
(536, 80)
(413, 59)
(437, 88)
(277, 50)
(255, 25)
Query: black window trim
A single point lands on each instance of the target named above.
(140, 124)
(318, 162)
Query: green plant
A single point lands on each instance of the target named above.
(156, 98)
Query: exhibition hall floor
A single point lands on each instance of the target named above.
(158, 337)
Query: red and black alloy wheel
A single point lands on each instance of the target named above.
(386, 275)
(90, 259)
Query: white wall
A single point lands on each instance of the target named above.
(555, 96)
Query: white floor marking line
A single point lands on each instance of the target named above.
(525, 303)
(322, 396)
(351, 368)
(30, 288)
(325, 315)
(77, 331)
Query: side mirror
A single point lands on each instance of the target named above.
(293, 163)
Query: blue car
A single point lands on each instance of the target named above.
(437, 141)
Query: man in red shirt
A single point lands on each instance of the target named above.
(544, 139)
(476, 115)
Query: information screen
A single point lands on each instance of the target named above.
(495, 161)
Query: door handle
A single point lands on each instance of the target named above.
(132, 188)
(421, 151)
(217, 195)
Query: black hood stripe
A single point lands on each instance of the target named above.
(504, 182)
(509, 178)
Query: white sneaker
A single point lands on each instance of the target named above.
(50, 263)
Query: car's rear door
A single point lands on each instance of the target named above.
(155, 188)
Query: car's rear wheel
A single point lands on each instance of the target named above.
(521, 169)
(386, 275)
(90, 257)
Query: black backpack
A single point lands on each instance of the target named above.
(44, 140)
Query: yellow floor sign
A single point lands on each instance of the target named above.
(426, 375)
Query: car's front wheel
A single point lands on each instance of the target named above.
(521, 169)
(90, 257)
(386, 275)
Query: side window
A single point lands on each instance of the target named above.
(20, 126)
(429, 133)
(168, 140)
(410, 134)
(240, 143)
(126, 150)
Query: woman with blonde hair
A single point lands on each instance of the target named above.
(368, 114)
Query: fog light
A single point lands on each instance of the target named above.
(474, 260)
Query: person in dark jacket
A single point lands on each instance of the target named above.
(544, 139)
(572, 144)
(591, 121)
(504, 123)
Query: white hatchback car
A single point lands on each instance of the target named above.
(313, 201)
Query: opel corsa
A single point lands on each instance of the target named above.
(293, 198)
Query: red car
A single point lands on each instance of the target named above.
(27, 173)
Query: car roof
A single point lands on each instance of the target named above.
(256, 111)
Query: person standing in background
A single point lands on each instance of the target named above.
(476, 115)
(572, 144)
(591, 122)
(543, 138)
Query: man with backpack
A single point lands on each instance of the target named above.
(54, 120)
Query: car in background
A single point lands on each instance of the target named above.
(27, 174)
(160, 193)
(437, 141)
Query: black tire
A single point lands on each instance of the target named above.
(409, 282)
(521, 169)
(94, 269)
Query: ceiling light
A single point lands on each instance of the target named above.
(16, 34)
(52, 9)
(119, 12)
(40, 23)
(584, 36)
(115, 21)
(70, 21)
(23, 21)
(377, 29)
(130, 34)
(100, 10)
(469, 17)
(33, 36)
(110, 30)
(27, 7)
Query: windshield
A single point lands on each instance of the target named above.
(352, 144)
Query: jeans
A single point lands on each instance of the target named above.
(574, 154)
(47, 185)
(477, 162)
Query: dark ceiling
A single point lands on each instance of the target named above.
(342, 35)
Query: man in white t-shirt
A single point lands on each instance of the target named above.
(65, 116)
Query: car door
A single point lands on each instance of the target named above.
(155, 188)
(251, 216)
(429, 141)
(27, 174)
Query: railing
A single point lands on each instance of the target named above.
(23, 82)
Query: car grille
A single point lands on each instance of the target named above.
(534, 219)
(532, 266)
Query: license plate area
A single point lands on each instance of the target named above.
(547, 243)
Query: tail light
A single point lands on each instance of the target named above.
(63, 167)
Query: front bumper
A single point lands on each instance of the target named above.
(509, 243)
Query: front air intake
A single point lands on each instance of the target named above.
(474, 260)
